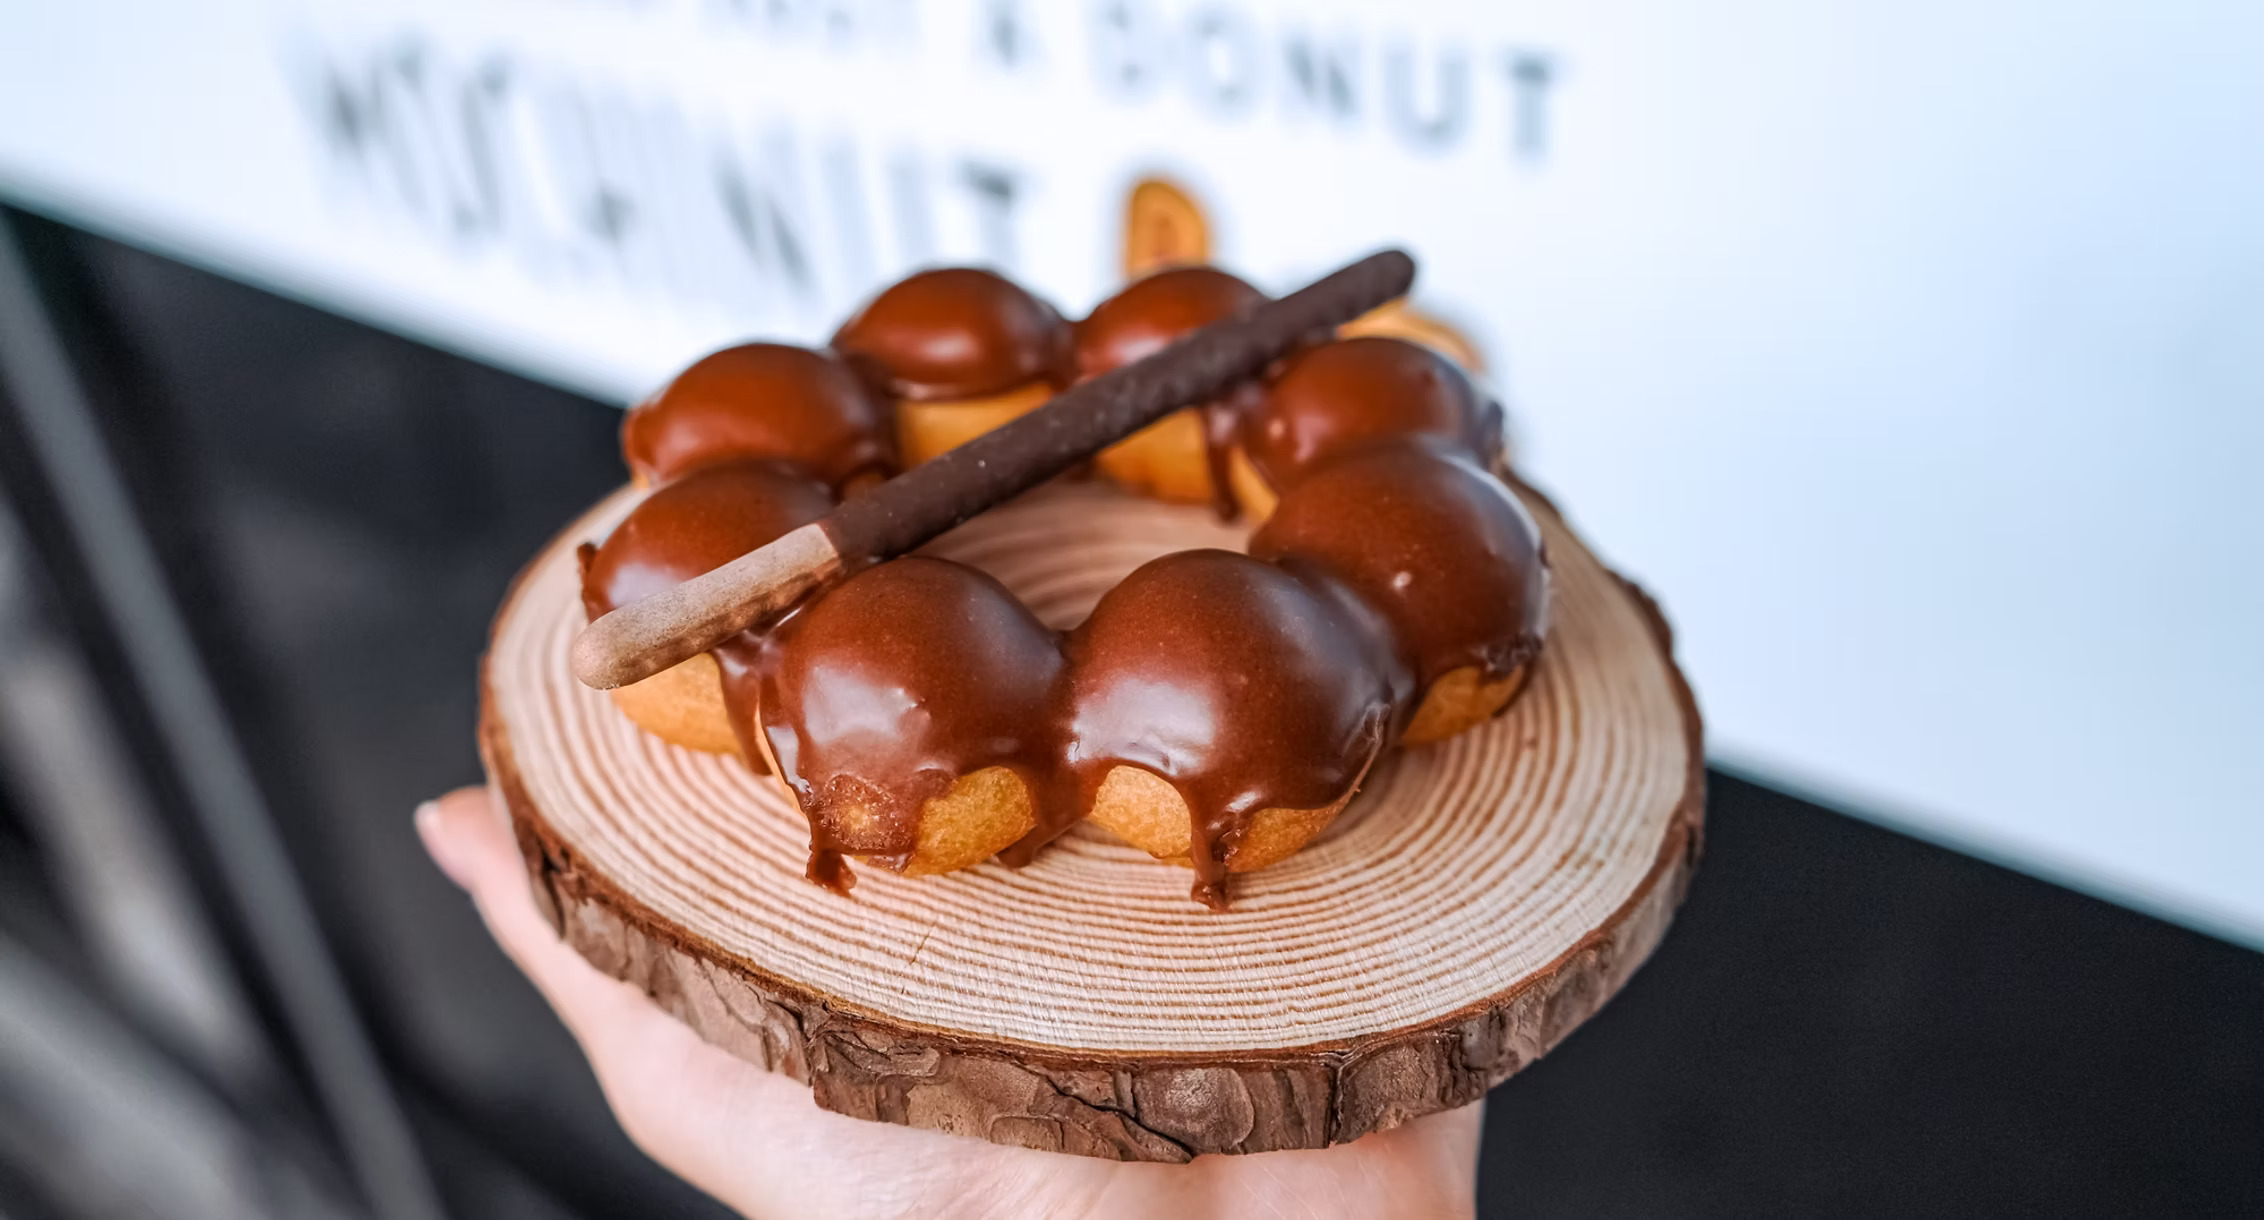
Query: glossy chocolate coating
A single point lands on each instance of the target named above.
(761, 400)
(1335, 397)
(697, 524)
(882, 693)
(1241, 685)
(690, 527)
(1154, 311)
(1151, 313)
(1439, 546)
(955, 332)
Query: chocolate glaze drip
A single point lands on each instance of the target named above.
(1151, 313)
(1440, 547)
(691, 526)
(1222, 427)
(1335, 397)
(761, 400)
(1242, 685)
(956, 332)
(880, 695)
(737, 662)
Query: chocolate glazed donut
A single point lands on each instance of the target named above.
(1215, 708)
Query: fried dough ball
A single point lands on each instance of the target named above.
(683, 705)
(906, 707)
(1143, 809)
(1254, 700)
(959, 351)
(1169, 459)
(760, 400)
(1444, 550)
(1336, 397)
(684, 529)
(926, 430)
(1401, 320)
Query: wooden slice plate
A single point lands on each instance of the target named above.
(1476, 902)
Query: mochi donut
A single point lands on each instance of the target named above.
(1216, 709)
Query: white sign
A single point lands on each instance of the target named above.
(1912, 353)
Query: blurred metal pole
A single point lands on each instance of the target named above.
(64, 761)
(278, 920)
(108, 1125)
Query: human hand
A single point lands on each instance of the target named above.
(758, 1142)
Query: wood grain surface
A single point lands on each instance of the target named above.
(1477, 901)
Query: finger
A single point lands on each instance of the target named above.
(441, 843)
(1445, 1147)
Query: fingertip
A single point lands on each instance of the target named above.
(432, 830)
(461, 833)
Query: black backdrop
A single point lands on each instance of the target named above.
(1843, 1020)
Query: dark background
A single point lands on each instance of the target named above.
(1843, 1020)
